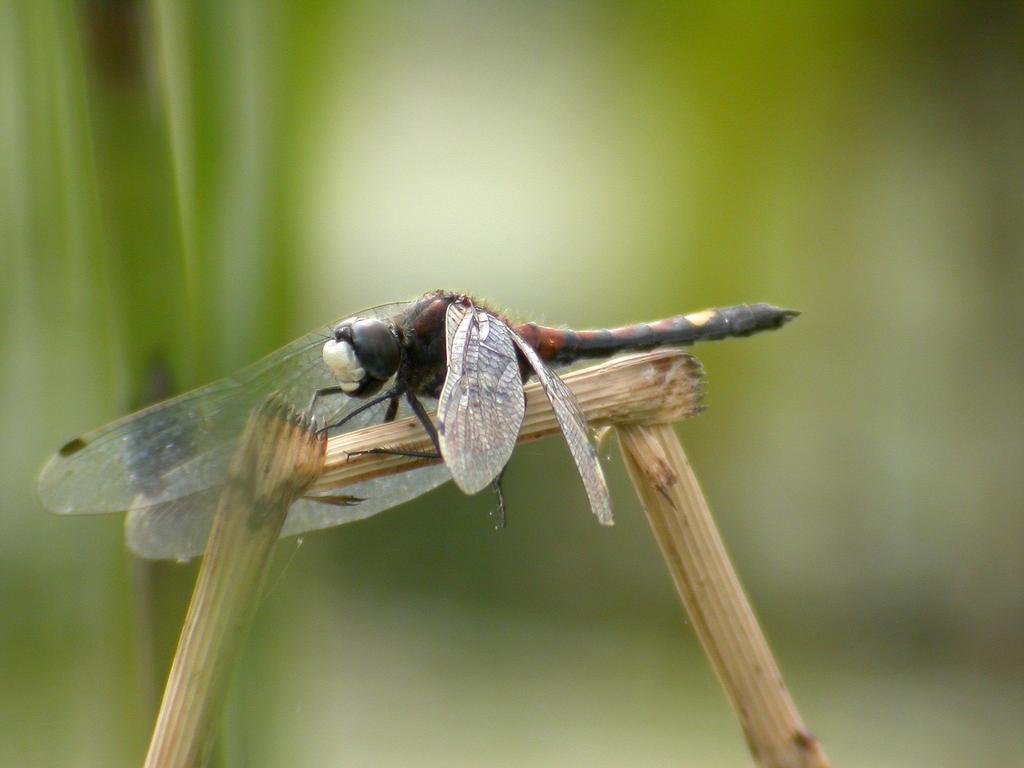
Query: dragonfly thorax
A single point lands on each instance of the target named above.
(363, 354)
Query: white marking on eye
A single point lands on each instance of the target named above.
(344, 364)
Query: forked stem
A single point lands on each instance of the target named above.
(280, 457)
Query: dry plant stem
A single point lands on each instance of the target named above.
(710, 590)
(663, 385)
(277, 458)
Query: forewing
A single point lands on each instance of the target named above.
(168, 462)
(577, 433)
(481, 406)
(177, 447)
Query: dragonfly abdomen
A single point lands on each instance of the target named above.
(564, 346)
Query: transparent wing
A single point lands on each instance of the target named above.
(577, 433)
(481, 406)
(167, 463)
(178, 529)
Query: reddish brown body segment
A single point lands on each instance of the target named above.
(559, 346)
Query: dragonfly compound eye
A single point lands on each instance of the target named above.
(377, 348)
(362, 355)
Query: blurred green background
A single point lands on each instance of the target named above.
(185, 186)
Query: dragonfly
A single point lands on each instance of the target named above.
(166, 465)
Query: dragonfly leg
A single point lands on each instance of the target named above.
(392, 410)
(392, 393)
(424, 419)
(322, 393)
(428, 427)
(500, 511)
(398, 452)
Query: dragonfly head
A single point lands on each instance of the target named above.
(362, 354)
